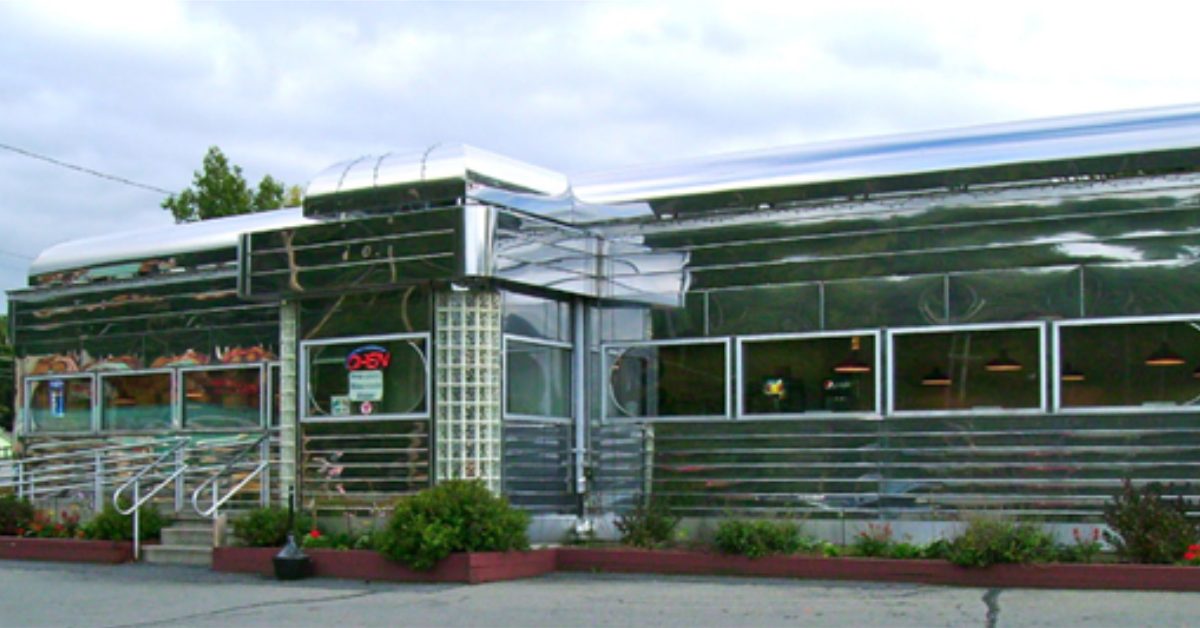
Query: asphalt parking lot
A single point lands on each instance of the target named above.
(57, 594)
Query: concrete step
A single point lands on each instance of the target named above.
(188, 534)
(177, 555)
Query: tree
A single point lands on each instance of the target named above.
(218, 189)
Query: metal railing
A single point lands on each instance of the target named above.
(136, 483)
(213, 483)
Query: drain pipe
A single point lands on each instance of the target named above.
(579, 354)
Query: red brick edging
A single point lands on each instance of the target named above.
(65, 550)
(469, 568)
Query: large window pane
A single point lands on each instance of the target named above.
(667, 381)
(222, 398)
(356, 380)
(537, 317)
(967, 370)
(60, 405)
(809, 375)
(136, 402)
(539, 380)
(1144, 365)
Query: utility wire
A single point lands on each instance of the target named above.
(95, 173)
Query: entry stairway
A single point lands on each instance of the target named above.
(187, 541)
(189, 481)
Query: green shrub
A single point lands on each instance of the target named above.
(936, 550)
(993, 541)
(1147, 527)
(455, 516)
(758, 538)
(648, 525)
(267, 527)
(111, 525)
(876, 540)
(15, 515)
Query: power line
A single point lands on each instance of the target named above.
(95, 173)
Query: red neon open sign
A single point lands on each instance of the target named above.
(368, 358)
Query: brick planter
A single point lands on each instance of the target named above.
(471, 568)
(65, 550)
(1050, 576)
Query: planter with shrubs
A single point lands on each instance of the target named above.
(27, 533)
(457, 531)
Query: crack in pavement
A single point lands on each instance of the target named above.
(245, 607)
(992, 599)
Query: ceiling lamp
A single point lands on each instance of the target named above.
(1072, 374)
(1003, 364)
(935, 377)
(1164, 356)
(853, 362)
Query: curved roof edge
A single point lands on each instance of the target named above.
(438, 162)
(188, 237)
(1050, 139)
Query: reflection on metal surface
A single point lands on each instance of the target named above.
(159, 241)
(1078, 137)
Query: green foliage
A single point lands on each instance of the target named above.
(988, 541)
(1083, 549)
(316, 539)
(267, 527)
(936, 550)
(1147, 527)
(218, 189)
(111, 525)
(454, 516)
(876, 540)
(15, 515)
(648, 525)
(758, 538)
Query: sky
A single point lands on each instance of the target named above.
(141, 90)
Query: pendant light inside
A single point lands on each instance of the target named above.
(1072, 374)
(1003, 364)
(1164, 356)
(853, 362)
(936, 377)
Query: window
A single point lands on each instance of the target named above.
(668, 380)
(222, 397)
(59, 404)
(810, 374)
(377, 377)
(537, 378)
(1124, 363)
(136, 401)
(968, 369)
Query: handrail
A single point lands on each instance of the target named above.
(139, 499)
(212, 481)
(82, 468)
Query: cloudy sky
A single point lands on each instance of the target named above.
(142, 90)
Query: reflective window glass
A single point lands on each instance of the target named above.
(221, 398)
(538, 380)
(967, 370)
(1149, 365)
(537, 317)
(366, 378)
(790, 376)
(667, 381)
(60, 405)
(136, 402)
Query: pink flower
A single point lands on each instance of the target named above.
(315, 534)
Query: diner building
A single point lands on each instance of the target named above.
(1003, 317)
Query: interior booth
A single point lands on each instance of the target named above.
(1002, 318)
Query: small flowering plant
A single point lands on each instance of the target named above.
(1192, 555)
(1086, 547)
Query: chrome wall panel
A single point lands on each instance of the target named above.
(538, 466)
(1062, 467)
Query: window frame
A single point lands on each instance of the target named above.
(1058, 362)
(26, 419)
(425, 338)
(1043, 406)
(174, 404)
(263, 385)
(541, 342)
(606, 386)
(740, 368)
